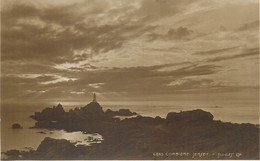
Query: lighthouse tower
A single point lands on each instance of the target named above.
(94, 98)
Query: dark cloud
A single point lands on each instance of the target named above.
(64, 30)
(213, 52)
(25, 67)
(16, 11)
(63, 15)
(155, 9)
(246, 53)
(181, 33)
(249, 26)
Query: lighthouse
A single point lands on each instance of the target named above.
(94, 98)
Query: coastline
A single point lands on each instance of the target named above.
(192, 132)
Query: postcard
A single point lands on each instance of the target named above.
(129, 80)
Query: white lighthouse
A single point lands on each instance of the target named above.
(94, 98)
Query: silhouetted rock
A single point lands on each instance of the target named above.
(17, 126)
(56, 149)
(158, 119)
(59, 109)
(50, 114)
(41, 132)
(121, 112)
(93, 111)
(12, 154)
(141, 120)
(126, 112)
(195, 115)
(109, 112)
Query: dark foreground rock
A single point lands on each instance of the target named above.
(185, 135)
(48, 149)
(17, 126)
(56, 149)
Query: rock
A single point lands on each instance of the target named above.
(12, 153)
(126, 112)
(93, 111)
(93, 108)
(139, 120)
(111, 113)
(41, 132)
(50, 114)
(59, 109)
(158, 119)
(17, 126)
(57, 149)
(195, 115)
(121, 112)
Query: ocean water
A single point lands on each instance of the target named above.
(235, 112)
(26, 138)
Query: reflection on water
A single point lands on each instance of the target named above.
(25, 139)
(80, 138)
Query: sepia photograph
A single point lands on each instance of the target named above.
(129, 80)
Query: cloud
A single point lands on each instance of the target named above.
(193, 84)
(95, 85)
(156, 9)
(249, 26)
(17, 11)
(68, 49)
(58, 31)
(132, 80)
(213, 52)
(246, 53)
(181, 33)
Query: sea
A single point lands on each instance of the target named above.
(27, 138)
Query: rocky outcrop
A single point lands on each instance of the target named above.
(17, 126)
(49, 149)
(140, 120)
(50, 114)
(195, 115)
(12, 154)
(121, 112)
(126, 112)
(91, 112)
(57, 149)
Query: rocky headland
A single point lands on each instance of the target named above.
(184, 135)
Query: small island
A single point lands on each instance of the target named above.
(183, 135)
(17, 126)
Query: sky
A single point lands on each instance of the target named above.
(131, 50)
